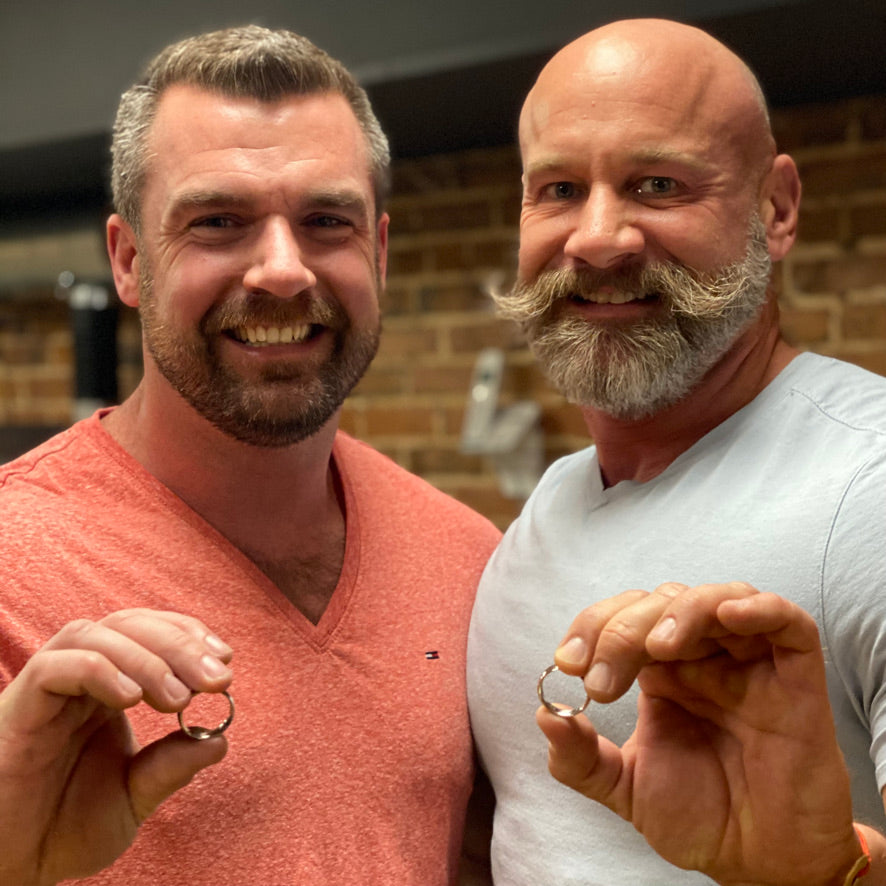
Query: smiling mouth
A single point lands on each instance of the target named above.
(273, 335)
(612, 298)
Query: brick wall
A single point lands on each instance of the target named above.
(454, 235)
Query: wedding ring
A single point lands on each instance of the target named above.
(559, 711)
(202, 732)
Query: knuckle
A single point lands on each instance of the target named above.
(123, 617)
(633, 596)
(92, 663)
(74, 634)
(599, 614)
(622, 637)
(670, 589)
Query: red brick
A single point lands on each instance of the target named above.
(494, 253)
(868, 221)
(487, 501)
(817, 225)
(467, 296)
(441, 380)
(398, 421)
(805, 327)
(874, 362)
(454, 216)
(486, 332)
(807, 125)
(405, 260)
(396, 300)
(399, 342)
(381, 380)
(565, 419)
(872, 114)
(450, 257)
(843, 176)
(510, 208)
(349, 421)
(492, 167)
(864, 321)
(435, 460)
(850, 272)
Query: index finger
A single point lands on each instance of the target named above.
(610, 638)
(167, 654)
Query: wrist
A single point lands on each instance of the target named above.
(876, 848)
(862, 864)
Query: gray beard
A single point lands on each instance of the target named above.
(633, 371)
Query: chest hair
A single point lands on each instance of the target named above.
(308, 582)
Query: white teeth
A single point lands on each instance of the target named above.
(272, 335)
(612, 298)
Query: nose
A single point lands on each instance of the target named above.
(604, 234)
(277, 263)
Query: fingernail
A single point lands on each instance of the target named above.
(128, 685)
(599, 678)
(664, 630)
(175, 689)
(572, 651)
(217, 645)
(213, 668)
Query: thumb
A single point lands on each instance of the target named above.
(586, 762)
(167, 765)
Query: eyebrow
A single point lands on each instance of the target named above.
(665, 155)
(339, 198)
(189, 200)
(642, 157)
(551, 164)
(332, 198)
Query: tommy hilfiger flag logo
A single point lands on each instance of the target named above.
(432, 655)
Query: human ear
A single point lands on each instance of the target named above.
(780, 206)
(123, 252)
(382, 246)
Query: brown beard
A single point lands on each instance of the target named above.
(287, 403)
(634, 370)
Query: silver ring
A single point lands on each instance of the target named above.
(560, 712)
(202, 732)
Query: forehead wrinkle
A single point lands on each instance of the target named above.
(200, 199)
(640, 157)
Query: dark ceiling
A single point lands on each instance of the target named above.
(803, 53)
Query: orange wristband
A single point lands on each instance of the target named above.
(863, 865)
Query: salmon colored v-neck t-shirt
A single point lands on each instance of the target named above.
(350, 755)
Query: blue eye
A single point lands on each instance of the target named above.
(562, 190)
(328, 221)
(656, 186)
(213, 221)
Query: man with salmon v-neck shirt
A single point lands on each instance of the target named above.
(217, 522)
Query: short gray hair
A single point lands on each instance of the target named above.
(243, 62)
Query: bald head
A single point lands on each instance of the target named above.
(691, 77)
(647, 150)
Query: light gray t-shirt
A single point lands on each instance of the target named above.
(788, 494)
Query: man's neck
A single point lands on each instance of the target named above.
(281, 507)
(640, 450)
